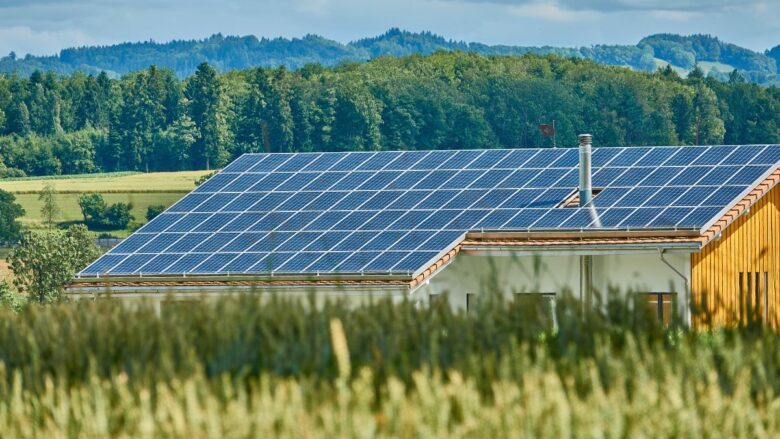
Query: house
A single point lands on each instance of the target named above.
(679, 225)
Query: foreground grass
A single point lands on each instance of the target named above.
(245, 367)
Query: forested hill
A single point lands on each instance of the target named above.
(151, 120)
(715, 57)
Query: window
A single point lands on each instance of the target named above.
(546, 301)
(471, 301)
(661, 305)
(753, 296)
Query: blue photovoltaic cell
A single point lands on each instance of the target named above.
(131, 264)
(298, 262)
(406, 160)
(409, 179)
(243, 242)
(188, 242)
(270, 263)
(522, 198)
(215, 203)
(159, 263)
(103, 264)
(384, 240)
(719, 176)
(748, 175)
(328, 262)
(186, 263)
(356, 261)
(214, 263)
(517, 158)
(355, 241)
(385, 261)
(552, 218)
(743, 155)
(490, 179)
(244, 202)
(665, 196)
(189, 203)
(684, 157)
(488, 160)
(326, 242)
(161, 222)
(699, 216)
(215, 242)
(271, 162)
(244, 162)
(324, 161)
(432, 160)
(393, 212)
(216, 182)
(689, 176)
(243, 262)
(641, 216)
(411, 241)
(414, 261)
(160, 242)
(770, 156)
(713, 155)
(625, 156)
(297, 162)
(670, 216)
(495, 219)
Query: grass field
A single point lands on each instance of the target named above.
(142, 190)
(241, 367)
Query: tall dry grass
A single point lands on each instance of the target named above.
(245, 368)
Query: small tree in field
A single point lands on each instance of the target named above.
(43, 263)
(10, 211)
(49, 207)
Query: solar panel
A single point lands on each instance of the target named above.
(395, 212)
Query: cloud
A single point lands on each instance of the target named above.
(608, 6)
(46, 26)
(23, 39)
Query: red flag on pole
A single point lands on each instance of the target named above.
(548, 130)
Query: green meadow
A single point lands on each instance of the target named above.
(140, 189)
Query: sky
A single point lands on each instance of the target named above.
(43, 27)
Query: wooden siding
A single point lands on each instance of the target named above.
(750, 245)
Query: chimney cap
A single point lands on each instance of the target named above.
(585, 139)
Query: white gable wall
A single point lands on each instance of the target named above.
(554, 273)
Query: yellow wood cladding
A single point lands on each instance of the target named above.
(739, 263)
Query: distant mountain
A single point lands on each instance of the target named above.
(714, 57)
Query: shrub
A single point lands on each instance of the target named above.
(153, 211)
(98, 215)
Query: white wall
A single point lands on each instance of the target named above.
(547, 273)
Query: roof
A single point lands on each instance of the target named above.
(398, 214)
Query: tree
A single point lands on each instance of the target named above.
(97, 214)
(93, 208)
(154, 210)
(43, 263)
(49, 207)
(10, 211)
(207, 108)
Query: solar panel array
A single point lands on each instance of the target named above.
(396, 212)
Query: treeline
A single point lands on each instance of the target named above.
(235, 53)
(150, 120)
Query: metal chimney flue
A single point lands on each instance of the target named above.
(586, 188)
